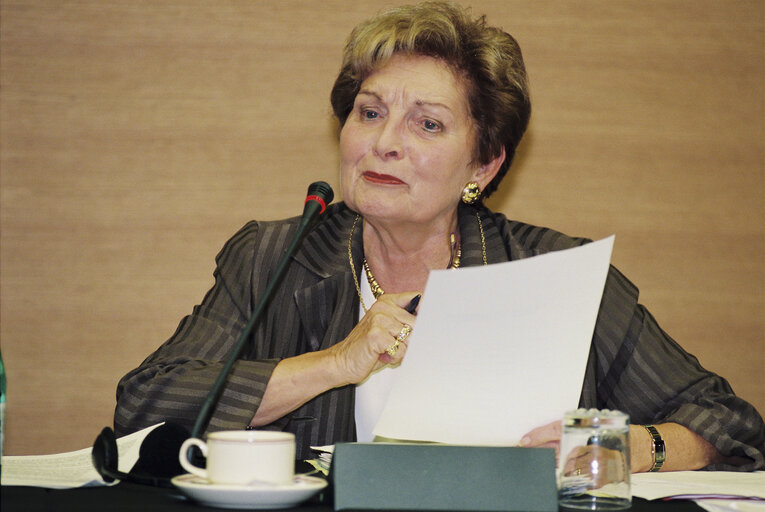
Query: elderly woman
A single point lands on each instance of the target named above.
(432, 105)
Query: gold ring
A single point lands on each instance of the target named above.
(391, 351)
(403, 334)
(406, 330)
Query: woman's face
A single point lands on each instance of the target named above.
(406, 148)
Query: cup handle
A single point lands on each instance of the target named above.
(183, 456)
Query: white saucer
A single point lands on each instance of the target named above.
(252, 497)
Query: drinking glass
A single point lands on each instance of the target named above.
(594, 465)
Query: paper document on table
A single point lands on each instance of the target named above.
(70, 469)
(498, 350)
(731, 505)
(699, 484)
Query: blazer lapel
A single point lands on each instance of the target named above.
(328, 308)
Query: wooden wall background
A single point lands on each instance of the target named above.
(138, 136)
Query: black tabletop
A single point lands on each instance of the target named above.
(129, 497)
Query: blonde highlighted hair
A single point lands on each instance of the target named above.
(488, 60)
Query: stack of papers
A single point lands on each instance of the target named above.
(699, 484)
(714, 491)
(71, 469)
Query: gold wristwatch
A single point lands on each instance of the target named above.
(658, 449)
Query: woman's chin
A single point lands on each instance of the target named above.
(381, 212)
(379, 206)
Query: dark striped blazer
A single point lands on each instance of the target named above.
(633, 365)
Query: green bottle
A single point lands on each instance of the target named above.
(2, 406)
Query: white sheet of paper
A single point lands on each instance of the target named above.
(498, 350)
(699, 484)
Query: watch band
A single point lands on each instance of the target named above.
(658, 449)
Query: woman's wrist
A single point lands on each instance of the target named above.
(323, 369)
(684, 450)
(641, 444)
(295, 381)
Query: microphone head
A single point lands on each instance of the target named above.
(322, 190)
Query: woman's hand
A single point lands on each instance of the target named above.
(367, 346)
(546, 436)
(296, 380)
(686, 450)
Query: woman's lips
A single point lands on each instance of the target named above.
(386, 179)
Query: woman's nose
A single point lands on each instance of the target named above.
(390, 142)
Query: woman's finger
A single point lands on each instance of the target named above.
(545, 435)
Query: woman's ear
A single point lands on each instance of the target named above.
(486, 172)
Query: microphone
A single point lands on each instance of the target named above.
(319, 194)
(158, 456)
(318, 197)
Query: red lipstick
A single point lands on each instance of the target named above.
(385, 179)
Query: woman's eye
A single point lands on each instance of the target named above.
(369, 114)
(431, 126)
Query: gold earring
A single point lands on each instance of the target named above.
(471, 193)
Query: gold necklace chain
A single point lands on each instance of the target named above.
(483, 240)
(454, 262)
(374, 285)
(350, 260)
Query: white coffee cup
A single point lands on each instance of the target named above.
(244, 457)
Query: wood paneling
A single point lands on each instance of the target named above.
(138, 136)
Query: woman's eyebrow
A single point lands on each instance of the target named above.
(419, 103)
(369, 93)
(423, 103)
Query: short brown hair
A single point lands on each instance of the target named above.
(488, 58)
